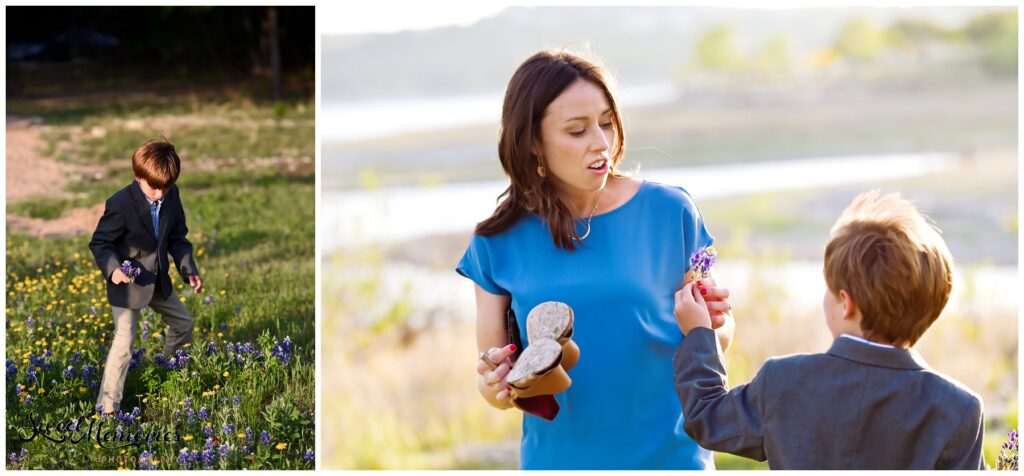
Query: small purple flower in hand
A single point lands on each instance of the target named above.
(130, 271)
(702, 261)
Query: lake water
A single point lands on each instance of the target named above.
(352, 121)
(354, 218)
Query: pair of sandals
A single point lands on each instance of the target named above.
(540, 371)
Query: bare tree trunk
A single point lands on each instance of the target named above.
(275, 51)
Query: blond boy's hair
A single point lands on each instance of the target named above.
(157, 162)
(894, 264)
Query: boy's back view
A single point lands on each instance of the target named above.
(141, 224)
(870, 402)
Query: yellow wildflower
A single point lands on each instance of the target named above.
(281, 446)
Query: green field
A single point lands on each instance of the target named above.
(246, 397)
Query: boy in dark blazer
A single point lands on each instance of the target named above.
(141, 224)
(870, 401)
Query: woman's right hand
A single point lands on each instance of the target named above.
(492, 383)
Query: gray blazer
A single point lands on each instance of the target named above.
(856, 406)
(125, 232)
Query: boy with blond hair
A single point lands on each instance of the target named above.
(870, 401)
(141, 224)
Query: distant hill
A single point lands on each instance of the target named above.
(640, 44)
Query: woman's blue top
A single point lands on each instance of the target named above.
(621, 411)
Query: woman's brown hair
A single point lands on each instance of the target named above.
(534, 85)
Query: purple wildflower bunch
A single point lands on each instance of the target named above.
(17, 458)
(702, 261)
(1008, 453)
(146, 461)
(131, 271)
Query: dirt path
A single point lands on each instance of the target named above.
(31, 175)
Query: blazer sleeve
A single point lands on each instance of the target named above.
(179, 246)
(964, 449)
(729, 421)
(110, 227)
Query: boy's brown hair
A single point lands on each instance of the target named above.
(893, 263)
(157, 162)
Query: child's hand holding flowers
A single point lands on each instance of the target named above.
(715, 298)
(126, 273)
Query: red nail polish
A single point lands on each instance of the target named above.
(703, 291)
(512, 347)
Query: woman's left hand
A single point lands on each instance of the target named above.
(717, 300)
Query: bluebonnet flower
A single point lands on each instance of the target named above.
(208, 430)
(183, 459)
(237, 401)
(15, 458)
(136, 358)
(191, 415)
(127, 418)
(130, 271)
(249, 434)
(98, 408)
(209, 443)
(211, 348)
(223, 450)
(12, 370)
(47, 354)
(188, 402)
(223, 326)
(160, 360)
(136, 413)
(28, 400)
(264, 438)
(308, 456)
(227, 429)
(245, 449)
(283, 350)
(209, 458)
(87, 371)
(69, 372)
(146, 461)
(204, 414)
(208, 299)
(32, 377)
(145, 330)
(238, 309)
(29, 322)
(177, 415)
(702, 261)
(1008, 454)
(230, 347)
(118, 431)
(18, 388)
(76, 357)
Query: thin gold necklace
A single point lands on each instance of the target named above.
(591, 218)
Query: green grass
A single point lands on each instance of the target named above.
(253, 233)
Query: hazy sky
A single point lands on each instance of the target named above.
(340, 18)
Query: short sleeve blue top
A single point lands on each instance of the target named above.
(621, 411)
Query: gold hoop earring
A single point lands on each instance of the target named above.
(540, 171)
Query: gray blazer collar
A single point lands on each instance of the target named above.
(895, 358)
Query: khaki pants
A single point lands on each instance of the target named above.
(126, 324)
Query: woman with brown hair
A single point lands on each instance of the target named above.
(572, 228)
